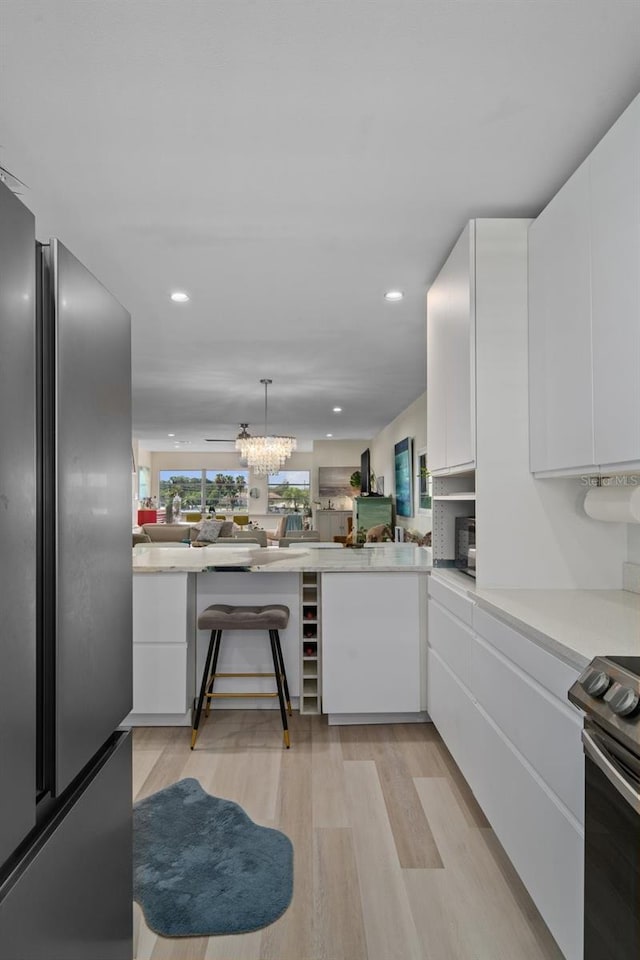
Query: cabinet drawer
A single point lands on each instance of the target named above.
(160, 608)
(454, 600)
(451, 638)
(553, 674)
(545, 732)
(453, 712)
(160, 678)
(544, 845)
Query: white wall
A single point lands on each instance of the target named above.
(412, 422)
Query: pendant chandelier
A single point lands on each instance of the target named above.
(265, 454)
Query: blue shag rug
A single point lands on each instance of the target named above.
(202, 867)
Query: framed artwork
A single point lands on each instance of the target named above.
(424, 483)
(334, 481)
(403, 460)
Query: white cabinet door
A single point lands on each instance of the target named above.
(437, 320)
(544, 730)
(332, 523)
(460, 365)
(560, 367)
(373, 640)
(453, 712)
(544, 844)
(451, 360)
(615, 286)
(451, 639)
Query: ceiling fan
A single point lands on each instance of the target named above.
(243, 435)
(7, 177)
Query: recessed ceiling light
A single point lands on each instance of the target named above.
(171, 434)
(337, 409)
(178, 296)
(329, 434)
(393, 295)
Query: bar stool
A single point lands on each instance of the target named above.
(221, 616)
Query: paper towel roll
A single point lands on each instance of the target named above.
(619, 504)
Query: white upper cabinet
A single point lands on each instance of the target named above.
(560, 377)
(615, 290)
(451, 361)
(584, 312)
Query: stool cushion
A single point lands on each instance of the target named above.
(222, 616)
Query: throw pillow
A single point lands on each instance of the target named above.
(209, 530)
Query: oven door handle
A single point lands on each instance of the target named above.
(608, 767)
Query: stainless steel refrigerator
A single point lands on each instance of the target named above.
(65, 604)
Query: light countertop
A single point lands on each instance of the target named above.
(387, 558)
(575, 625)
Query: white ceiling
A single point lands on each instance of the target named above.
(285, 162)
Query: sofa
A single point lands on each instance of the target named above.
(168, 532)
(176, 533)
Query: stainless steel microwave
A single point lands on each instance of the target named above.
(465, 558)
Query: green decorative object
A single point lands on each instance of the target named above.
(371, 512)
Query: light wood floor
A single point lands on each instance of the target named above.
(393, 859)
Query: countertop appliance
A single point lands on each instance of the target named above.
(65, 604)
(465, 533)
(608, 691)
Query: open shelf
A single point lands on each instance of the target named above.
(453, 496)
(310, 645)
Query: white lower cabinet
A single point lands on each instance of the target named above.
(373, 643)
(543, 843)
(159, 679)
(163, 648)
(332, 523)
(453, 711)
(499, 703)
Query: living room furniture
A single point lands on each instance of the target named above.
(274, 536)
(251, 536)
(222, 616)
(147, 516)
(303, 536)
(181, 532)
(174, 532)
(333, 523)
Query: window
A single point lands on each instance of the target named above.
(289, 492)
(206, 490)
(226, 491)
(144, 483)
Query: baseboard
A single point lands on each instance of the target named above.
(344, 719)
(158, 720)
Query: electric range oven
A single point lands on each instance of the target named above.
(608, 691)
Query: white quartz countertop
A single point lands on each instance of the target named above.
(387, 558)
(576, 625)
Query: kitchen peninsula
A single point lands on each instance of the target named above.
(356, 636)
